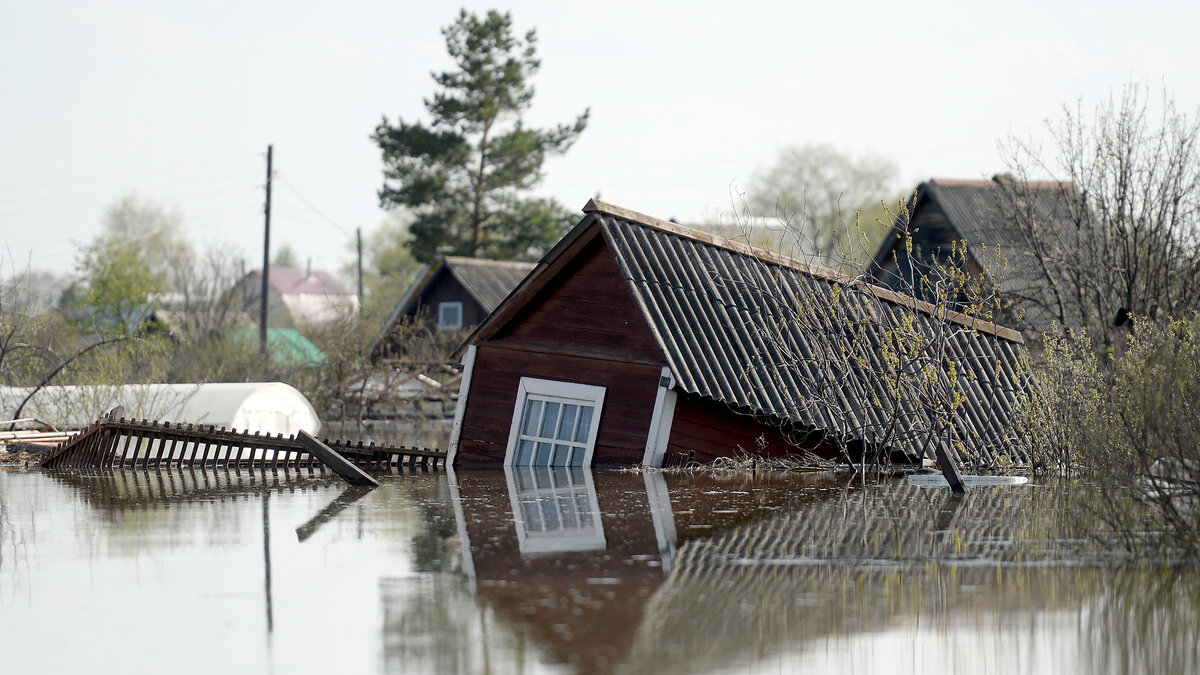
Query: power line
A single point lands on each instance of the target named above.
(291, 188)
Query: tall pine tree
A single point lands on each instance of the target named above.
(462, 176)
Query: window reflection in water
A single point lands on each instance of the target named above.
(555, 509)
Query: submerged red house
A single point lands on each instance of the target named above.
(635, 338)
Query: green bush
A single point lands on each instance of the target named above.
(1129, 423)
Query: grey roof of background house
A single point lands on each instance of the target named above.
(981, 211)
(488, 281)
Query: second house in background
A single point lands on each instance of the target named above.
(296, 297)
(450, 295)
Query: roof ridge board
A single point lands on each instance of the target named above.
(1046, 184)
(486, 262)
(810, 269)
(713, 240)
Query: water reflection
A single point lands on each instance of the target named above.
(769, 573)
(554, 509)
(572, 571)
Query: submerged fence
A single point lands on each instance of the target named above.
(121, 443)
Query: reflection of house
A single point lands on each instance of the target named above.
(296, 297)
(997, 220)
(453, 293)
(704, 573)
(577, 571)
(635, 338)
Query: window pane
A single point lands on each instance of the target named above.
(450, 315)
(562, 456)
(549, 420)
(585, 424)
(542, 456)
(562, 475)
(524, 453)
(577, 456)
(568, 513)
(533, 415)
(566, 430)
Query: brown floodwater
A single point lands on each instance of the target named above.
(576, 572)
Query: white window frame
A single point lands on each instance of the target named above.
(555, 391)
(570, 494)
(443, 324)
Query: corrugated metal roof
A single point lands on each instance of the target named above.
(805, 345)
(488, 281)
(983, 213)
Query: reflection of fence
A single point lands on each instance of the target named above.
(121, 489)
(133, 444)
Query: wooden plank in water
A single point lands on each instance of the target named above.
(949, 469)
(340, 465)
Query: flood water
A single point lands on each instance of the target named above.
(576, 572)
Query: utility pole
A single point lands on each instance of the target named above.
(266, 268)
(358, 237)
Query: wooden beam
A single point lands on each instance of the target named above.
(335, 461)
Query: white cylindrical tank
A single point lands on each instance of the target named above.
(266, 407)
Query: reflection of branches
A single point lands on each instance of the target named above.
(1144, 621)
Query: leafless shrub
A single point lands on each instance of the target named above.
(1131, 246)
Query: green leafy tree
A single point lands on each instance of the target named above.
(118, 282)
(285, 256)
(138, 253)
(462, 176)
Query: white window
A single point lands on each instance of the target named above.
(554, 424)
(450, 315)
(555, 509)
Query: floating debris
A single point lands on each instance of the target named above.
(936, 480)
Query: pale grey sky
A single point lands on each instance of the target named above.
(178, 100)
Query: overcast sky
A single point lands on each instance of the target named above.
(177, 100)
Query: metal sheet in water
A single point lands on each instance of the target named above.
(938, 480)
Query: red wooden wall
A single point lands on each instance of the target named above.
(584, 327)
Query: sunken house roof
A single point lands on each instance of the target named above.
(985, 214)
(738, 325)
